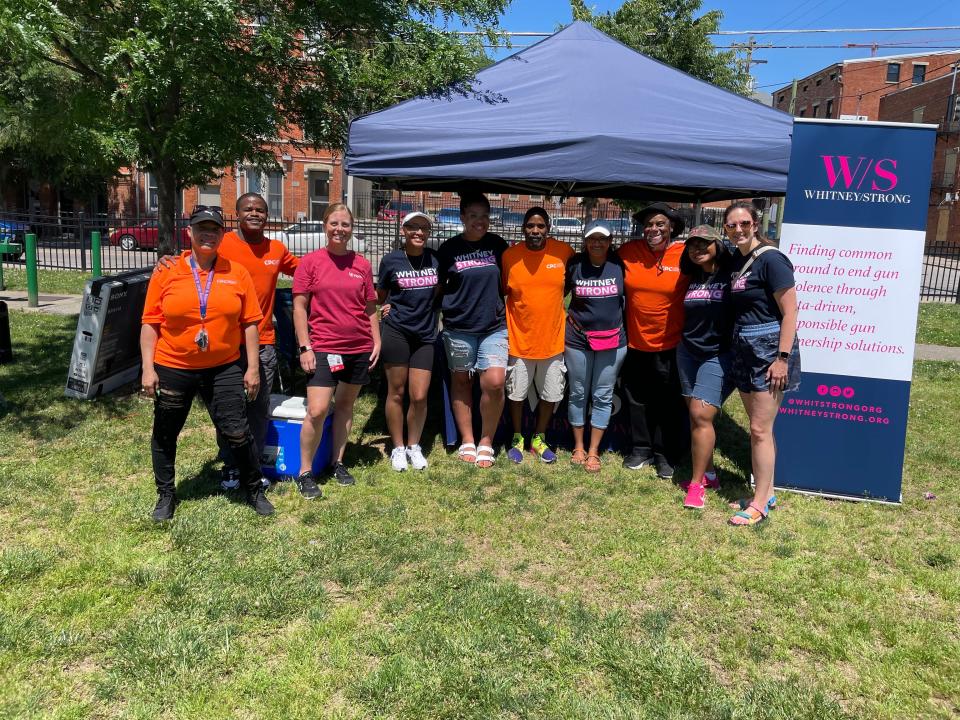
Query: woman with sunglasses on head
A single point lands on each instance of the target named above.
(198, 316)
(766, 355)
(703, 355)
(335, 319)
(655, 288)
(406, 287)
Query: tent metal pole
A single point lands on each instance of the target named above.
(697, 212)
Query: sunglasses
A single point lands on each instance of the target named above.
(744, 224)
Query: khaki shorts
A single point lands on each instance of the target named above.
(548, 378)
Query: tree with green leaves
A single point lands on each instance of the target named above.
(183, 88)
(672, 32)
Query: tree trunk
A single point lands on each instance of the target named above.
(168, 241)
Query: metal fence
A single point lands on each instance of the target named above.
(64, 241)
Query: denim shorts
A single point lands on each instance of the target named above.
(469, 352)
(755, 347)
(707, 379)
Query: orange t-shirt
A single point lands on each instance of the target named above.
(264, 261)
(654, 307)
(533, 284)
(174, 304)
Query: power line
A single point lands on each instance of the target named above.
(510, 33)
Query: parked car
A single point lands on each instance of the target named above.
(392, 209)
(144, 236)
(566, 227)
(449, 217)
(621, 227)
(307, 235)
(12, 232)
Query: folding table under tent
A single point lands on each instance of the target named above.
(579, 114)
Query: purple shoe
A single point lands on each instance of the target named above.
(515, 455)
(539, 447)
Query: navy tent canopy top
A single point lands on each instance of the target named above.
(579, 114)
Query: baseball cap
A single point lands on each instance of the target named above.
(414, 215)
(707, 232)
(597, 227)
(205, 213)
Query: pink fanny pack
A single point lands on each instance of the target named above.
(603, 339)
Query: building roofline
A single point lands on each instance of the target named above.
(881, 58)
(810, 76)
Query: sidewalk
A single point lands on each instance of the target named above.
(53, 304)
(70, 305)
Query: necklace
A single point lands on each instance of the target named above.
(418, 269)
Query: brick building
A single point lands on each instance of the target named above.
(302, 185)
(855, 87)
(933, 102)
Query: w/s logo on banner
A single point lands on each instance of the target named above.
(838, 166)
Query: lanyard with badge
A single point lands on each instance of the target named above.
(202, 339)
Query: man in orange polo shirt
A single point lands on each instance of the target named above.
(655, 289)
(533, 276)
(264, 259)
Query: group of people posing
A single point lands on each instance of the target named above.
(682, 324)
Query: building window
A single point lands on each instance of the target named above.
(513, 197)
(817, 83)
(829, 112)
(493, 196)
(536, 198)
(802, 112)
(270, 186)
(435, 194)
(919, 74)
(918, 114)
(781, 99)
(153, 202)
(814, 112)
(805, 87)
(208, 195)
(893, 72)
(833, 76)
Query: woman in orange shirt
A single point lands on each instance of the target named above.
(195, 318)
(655, 289)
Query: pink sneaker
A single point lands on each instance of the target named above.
(696, 493)
(708, 483)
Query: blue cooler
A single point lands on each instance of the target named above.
(281, 449)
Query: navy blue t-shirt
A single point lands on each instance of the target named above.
(410, 283)
(596, 298)
(752, 294)
(470, 282)
(707, 314)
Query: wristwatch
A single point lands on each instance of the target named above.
(783, 355)
(304, 348)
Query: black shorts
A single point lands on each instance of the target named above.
(400, 348)
(356, 370)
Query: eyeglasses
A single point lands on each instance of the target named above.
(417, 228)
(743, 225)
(199, 208)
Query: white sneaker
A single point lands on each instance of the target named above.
(417, 460)
(398, 458)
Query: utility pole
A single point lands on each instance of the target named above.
(793, 97)
(746, 62)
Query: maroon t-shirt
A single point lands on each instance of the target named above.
(340, 286)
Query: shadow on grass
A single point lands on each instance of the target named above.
(376, 423)
(34, 382)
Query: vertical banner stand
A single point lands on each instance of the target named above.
(854, 228)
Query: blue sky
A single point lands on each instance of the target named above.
(785, 64)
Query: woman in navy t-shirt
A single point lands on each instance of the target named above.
(596, 343)
(766, 354)
(703, 356)
(474, 326)
(407, 284)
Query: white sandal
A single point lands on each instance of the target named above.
(467, 452)
(485, 455)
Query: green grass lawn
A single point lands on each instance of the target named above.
(939, 324)
(456, 593)
(49, 282)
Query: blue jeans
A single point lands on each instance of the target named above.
(592, 374)
(468, 352)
